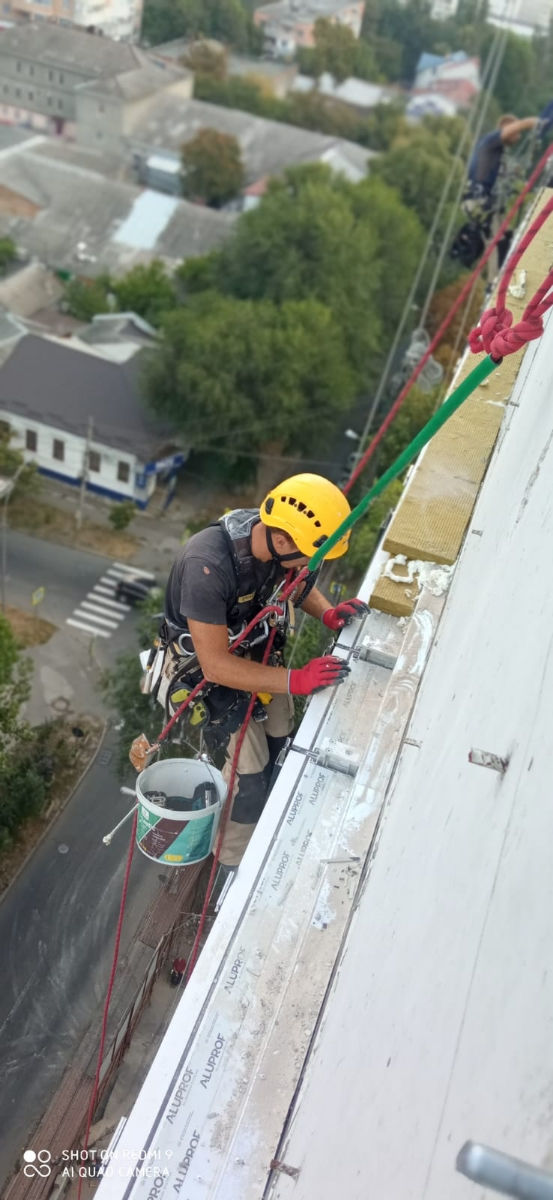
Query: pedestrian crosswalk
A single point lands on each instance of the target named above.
(99, 613)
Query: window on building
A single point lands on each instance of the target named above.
(6, 88)
(62, 76)
(101, 108)
(50, 75)
(123, 471)
(94, 460)
(18, 92)
(30, 95)
(49, 101)
(60, 105)
(18, 67)
(31, 70)
(30, 440)
(99, 134)
(58, 449)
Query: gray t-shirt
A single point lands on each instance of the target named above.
(202, 581)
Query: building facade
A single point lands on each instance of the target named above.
(120, 19)
(290, 24)
(44, 67)
(87, 417)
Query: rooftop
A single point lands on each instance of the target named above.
(268, 147)
(62, 46)
(63, 385)
(88, 222)
(28, 289)
(292, 11)
(136, 83)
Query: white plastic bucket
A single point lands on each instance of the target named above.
(175, 833)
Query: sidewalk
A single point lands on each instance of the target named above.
(159, 533)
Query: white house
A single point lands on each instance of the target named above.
(75, 406)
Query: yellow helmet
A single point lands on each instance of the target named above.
(308, 508)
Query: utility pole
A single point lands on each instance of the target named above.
(84, 476)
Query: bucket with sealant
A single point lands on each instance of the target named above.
(179, 806)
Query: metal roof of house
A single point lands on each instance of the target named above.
(29, 289)
(301, 10)
(377, 987)
(62, 386)
(88, 223)
(267, 147)
(135, 83)
(62, 46)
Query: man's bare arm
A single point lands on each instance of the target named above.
(220, 666)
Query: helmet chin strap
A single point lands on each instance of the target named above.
(282, 559)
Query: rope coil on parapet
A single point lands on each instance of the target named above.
(495, 333)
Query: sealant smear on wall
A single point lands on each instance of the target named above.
(432, 576)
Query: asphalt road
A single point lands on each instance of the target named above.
(57, 921)
(66, 574)
(57, 927)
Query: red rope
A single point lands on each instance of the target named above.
(446, 323)
(223, 824)
(495, 333)
(96, 1083)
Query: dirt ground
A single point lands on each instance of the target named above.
(28, 628)
(44, 520)
(61, 789)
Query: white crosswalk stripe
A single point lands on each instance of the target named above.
(100, 614)
(99, 597)
(88, 628)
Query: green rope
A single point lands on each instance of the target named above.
(465, 389)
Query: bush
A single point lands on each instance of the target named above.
(122, 514)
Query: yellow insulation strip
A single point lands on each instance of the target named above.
(436, 507)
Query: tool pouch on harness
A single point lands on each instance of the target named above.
(218, 710)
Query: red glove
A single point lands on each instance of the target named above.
(316, 675)
(348, 610)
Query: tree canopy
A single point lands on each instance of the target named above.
(227, 20)
(338, 51)
(212, 167)
(240, 373)
(317, 235)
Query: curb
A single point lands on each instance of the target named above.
(51, 824)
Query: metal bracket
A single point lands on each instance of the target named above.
(337, 756)
(483, 758)
(379, 658)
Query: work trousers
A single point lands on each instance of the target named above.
(261, 746)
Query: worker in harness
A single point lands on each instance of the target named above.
(223, 577)
(481, 202)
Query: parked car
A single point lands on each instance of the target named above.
(136, 588)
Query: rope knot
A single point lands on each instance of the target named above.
(507, 341)
(493, 323)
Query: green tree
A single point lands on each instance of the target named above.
(85, 298)
(418, 166)
(145, 290)
(239, 374)
(317, 235)
(227, 20)
(212, 167)
(8, 253)
(205, 58)
(338, 51)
